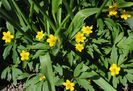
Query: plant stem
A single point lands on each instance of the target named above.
(101, 8)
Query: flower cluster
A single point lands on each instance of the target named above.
(81, 36)
(113, 11)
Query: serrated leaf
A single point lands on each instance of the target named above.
(10, 27)
(130, 77)
(4, 73)
(119, 37)
(39, 53)
(77, 70)
(7, 51)
(114, 55)
(115, 82)
(22, 76)
(85, 84)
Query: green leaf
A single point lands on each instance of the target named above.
(90, 50)
(10, 27)
(130, 77)
(85, 84)
(46, 68)
(129, 71)
(39, 86)
(59, 69)
(7, 51)
(55, 5)
(39, 53)
(4, 73)
(9, 76)
(114, 55)
(41, 46)
(46, 86)
(70, 58)
(100, 24)
(123, 80)
(103, 84)
(121, 59)
(77, 70)
(86, 75)
(130, 22)
(78, 20)
(15, 73)
(58, 81)
(119, 37)
(125, 4)
(115, 81)
(22, 76)
(32, 81)
(0, 4)
(6, 4)
(15, 56)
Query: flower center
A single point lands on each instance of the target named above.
(69, 85)
(114, 70)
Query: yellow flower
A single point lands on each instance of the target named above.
(52, 40)
(79, 47)
(24, 55)
(42, 77)
(89, 81)
(87, 30)
(113, 10)
(114, 69)
(125, 15)
(79, 37)
(7, 37)
(40, 35)
(69, 85)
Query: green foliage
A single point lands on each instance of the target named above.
(109, 43)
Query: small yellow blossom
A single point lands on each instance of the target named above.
(42, 77)
(125, 15)
(40, 35)
(87, 30)
(7, 37)
(24, 55)
(114, 69)
(113, 10)
(79, 47)
(69, 85)
(52, 40)
(89, 81)
(79, 37)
